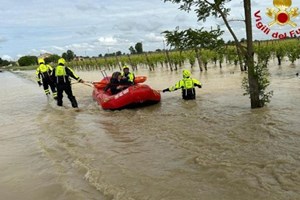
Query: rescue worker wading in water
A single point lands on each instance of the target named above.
(43, 77)
(61, 74)
(187, 85)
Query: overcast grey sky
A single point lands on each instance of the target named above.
(91, 27)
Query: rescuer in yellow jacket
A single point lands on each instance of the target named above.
(127, 76)
(61, 75)
(43, 77)
(187, 85)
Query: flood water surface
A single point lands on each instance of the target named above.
(215, 147)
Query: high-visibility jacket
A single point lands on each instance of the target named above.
(61, 74)
(43, 72)
(185, 83)
(130, 77)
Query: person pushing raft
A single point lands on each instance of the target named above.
(43, 78)
(187, 85)
(61, 75)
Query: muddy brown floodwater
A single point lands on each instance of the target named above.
(215, 147)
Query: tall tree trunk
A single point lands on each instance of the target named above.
(253, 80)
(205, 65)
(279, 59)
(198, 59)
(241, 49)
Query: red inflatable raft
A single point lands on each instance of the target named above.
(133, 96)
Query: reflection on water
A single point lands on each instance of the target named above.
(215, 147)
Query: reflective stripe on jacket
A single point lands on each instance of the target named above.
(62, 74)
(185, 83)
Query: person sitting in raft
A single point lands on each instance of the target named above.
(187, 85)
(127, 76)
(115, 84)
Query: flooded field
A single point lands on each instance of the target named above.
(212, 148)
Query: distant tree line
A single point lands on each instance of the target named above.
(118, 53)
(137, 49)
(4, 62)
(27, 60)
(69, 55)
(32, 60)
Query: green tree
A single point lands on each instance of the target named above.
(139, 48)
(27, 60)
(52, 59)
(194, 39)
(217, 8)
(69, 55)
(132, 50)
(175, 39)
(200, 39)
(280, 52)
(4, 62)
(118, 53)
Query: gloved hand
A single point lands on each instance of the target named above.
(81, 81)
(166, 90)
(199, 86)
(40, 84)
